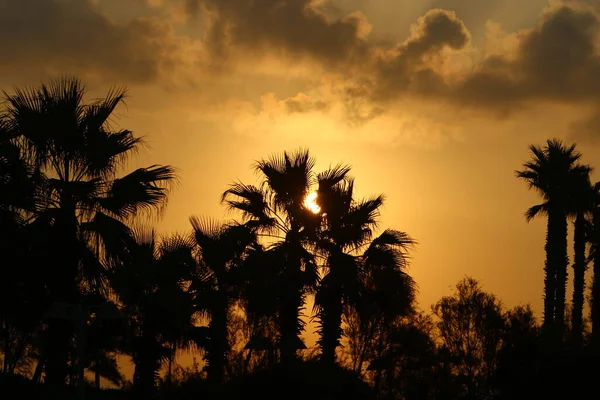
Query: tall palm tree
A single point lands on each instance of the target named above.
(84, 201)
(21, 291)
(549, 173)
(582, 204)
(276, 209)
(150, 282)
(594, 256)
(217, 285)
(348, 226)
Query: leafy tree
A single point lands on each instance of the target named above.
(519, 356)
(470, 325)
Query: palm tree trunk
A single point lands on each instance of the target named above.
(219, 343)
(559, 242)
(555, 272)
(64, 289)
(146, 365)
(579, 267)
(549, 281)
(331, 320)
(289, 317)
(595, 312)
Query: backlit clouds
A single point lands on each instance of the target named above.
(439, 60)
(42, 37)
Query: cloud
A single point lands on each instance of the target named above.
(557, 61)
(302, 103)
(297, 27)
(72, 36)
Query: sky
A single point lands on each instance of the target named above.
(432, 102)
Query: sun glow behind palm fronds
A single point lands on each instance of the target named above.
(310, 202)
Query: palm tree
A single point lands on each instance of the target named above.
(348, 226)
(594, 256)
(21, 291)
(276, 209)
(549, 173)
(150, 283)
(84, 202)
(217, 285)
(582, 204)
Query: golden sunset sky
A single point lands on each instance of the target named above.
(433, 103)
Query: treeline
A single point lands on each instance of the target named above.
(84, 279)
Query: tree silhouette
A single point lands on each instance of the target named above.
(71, 143)
(549, 173)
(347, 227)
(594, 256)
(277, 210)
(150, 281)
(217, 284)
(582, 205)
(470, 325)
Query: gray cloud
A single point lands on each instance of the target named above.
(407, 69)
(293, 26)
(557, 61)
(71, 36)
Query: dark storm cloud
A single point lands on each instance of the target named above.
(72, 37)
(406, 69)
(558, 61)
(293, 25)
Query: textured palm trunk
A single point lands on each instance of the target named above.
(579, 266)
(595, 314)
(289, 316)
(549, 279)
(559, 242)
(219, 343)
(146, 365)
(331, 320)
(65, 290)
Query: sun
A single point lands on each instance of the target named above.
(310, 202)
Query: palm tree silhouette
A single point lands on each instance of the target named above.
(84, 202)
(594, 256)
(150, 282)
(549, 173)
(348, 227)
(582, 204)
(217, 285)
(19, 284)
(277, 211)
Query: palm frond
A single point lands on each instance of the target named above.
(535, 211)
(332, 176)
(144, 189)
(106, 151)
(249, 200)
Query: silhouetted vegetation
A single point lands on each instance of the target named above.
(87, 283)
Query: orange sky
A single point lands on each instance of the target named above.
(433, 103)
